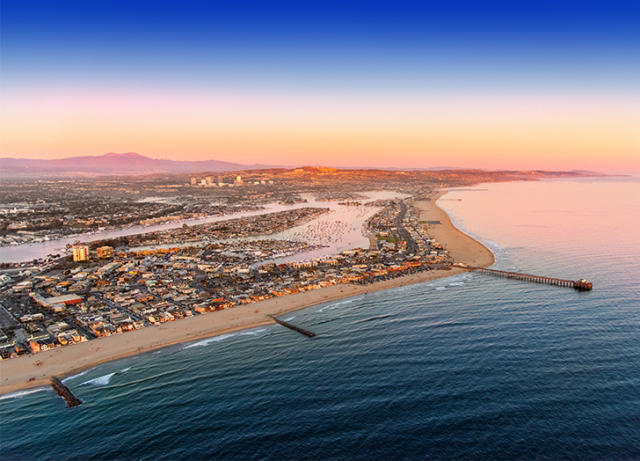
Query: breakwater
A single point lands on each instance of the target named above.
(64, 392)
(302, 331)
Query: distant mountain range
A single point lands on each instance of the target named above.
(112, 163)
(131, 163)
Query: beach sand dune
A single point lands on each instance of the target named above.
(35, 370)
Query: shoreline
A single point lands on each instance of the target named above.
(461, 246)
(15, 374)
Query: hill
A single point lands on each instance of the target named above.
(113, 163)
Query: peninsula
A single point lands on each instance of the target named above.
(34, 370)
(107, 267)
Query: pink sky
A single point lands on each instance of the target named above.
(524, 131)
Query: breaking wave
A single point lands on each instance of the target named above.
(105, 379)
(100, 380)
(338, 304)
(16, 395)
(213, 339)
(69, 378)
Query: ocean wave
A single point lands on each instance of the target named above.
(441, 288)
(16, 395)
(492, 245)
(207, 341)
(69, 378)
(104, 379)
(100, 380)
(338, 304)
(252, 332)
(180, 371)
(375, 317)
(456, 284)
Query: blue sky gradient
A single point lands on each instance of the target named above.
(332, 45)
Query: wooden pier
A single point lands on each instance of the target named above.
(580, 285)
(64, 392)
(310, 334)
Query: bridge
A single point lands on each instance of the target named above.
(580, 285)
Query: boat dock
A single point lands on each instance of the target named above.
(310, 334)
(64, 392)
(580, 285)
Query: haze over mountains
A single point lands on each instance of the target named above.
(131, 163)
(113, 163)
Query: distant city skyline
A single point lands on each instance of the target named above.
(492, 85)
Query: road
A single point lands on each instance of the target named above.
(412, 247)
(6, 319)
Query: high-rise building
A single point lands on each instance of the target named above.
(194, 181)
(80, 253)
(239, 179)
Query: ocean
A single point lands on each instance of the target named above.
(466, 367)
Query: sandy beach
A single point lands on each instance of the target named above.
(22, 372)
(461, 247)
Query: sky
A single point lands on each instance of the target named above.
(496, 85)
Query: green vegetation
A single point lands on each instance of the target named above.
(389, 238)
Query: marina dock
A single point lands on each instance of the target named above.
(64, 392)
(580, 284)
(310, 334)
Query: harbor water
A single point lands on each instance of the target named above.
(465, 367)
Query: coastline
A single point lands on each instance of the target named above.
(15, 374)
(462, 247)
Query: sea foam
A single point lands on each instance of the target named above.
(100, 380)
(213, 339)
(69, 378)
(16, 395)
